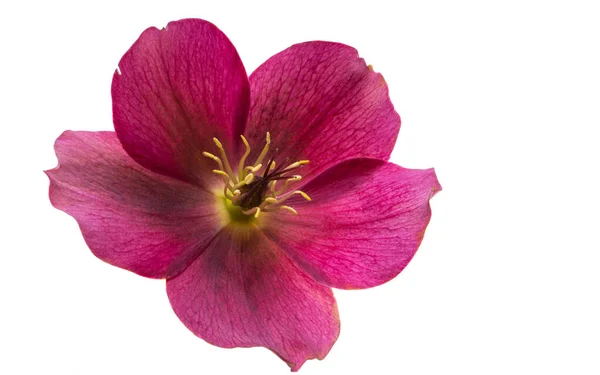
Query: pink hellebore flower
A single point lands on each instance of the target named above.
(251, 232)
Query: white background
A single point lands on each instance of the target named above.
(502, 98)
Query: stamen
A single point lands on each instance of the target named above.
(295, 165)
(243, 159)
(272, 187)
(227, 192)
(289, 195)
(227, 186)
(225, 161)
(254, 210)
(221, 173)
(213, 157)
(289, 209)
(287, 182)
(253, 169)
(304, 195)
(264, 151)
(268, 201)
(225, 176)
(247, 181)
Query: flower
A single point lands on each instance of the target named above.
(191, 185)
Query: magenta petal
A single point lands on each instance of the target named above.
(175, 90)
(130, 217)
(243, 291)
(321, 102)
(364, 224)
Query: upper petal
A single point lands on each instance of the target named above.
(130, 217)
(243, 291)
(321, 102)
(365, 222)
(174, 91)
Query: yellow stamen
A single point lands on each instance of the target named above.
(304, 195)
(246, 181)
(224, 158)
(221, 173)
(225, 176)
(253, 169)
(254, 210)
(289, 195)
(287, 182)
(288, 208)
(227, 192)
(213, 157)
(295, 165)
(272, 186)
(268, 201)
(243, 159)
(264, 151)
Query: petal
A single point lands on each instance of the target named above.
(174, 91)
(243, 291)
(364, 224)
(130, 217)
(321, 102)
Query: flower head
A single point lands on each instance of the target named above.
(251, 196)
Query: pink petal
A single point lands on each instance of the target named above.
(175, 90)
(243, 291)
(130, 217)
(364, 224)
(321, 102)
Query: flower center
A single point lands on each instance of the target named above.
(253, 189)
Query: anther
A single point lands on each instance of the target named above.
(268, 201)
(253, 169)
(287, 182)
(288, 208)
(221, 173)
(289, 195)
(295, 165)
(213, 157)
(304, 195)
(225, 177)
(247, 181)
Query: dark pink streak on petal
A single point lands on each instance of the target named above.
(321, 102)
(130, 217)
(365, 222)
(243, 291)
(175, 90)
